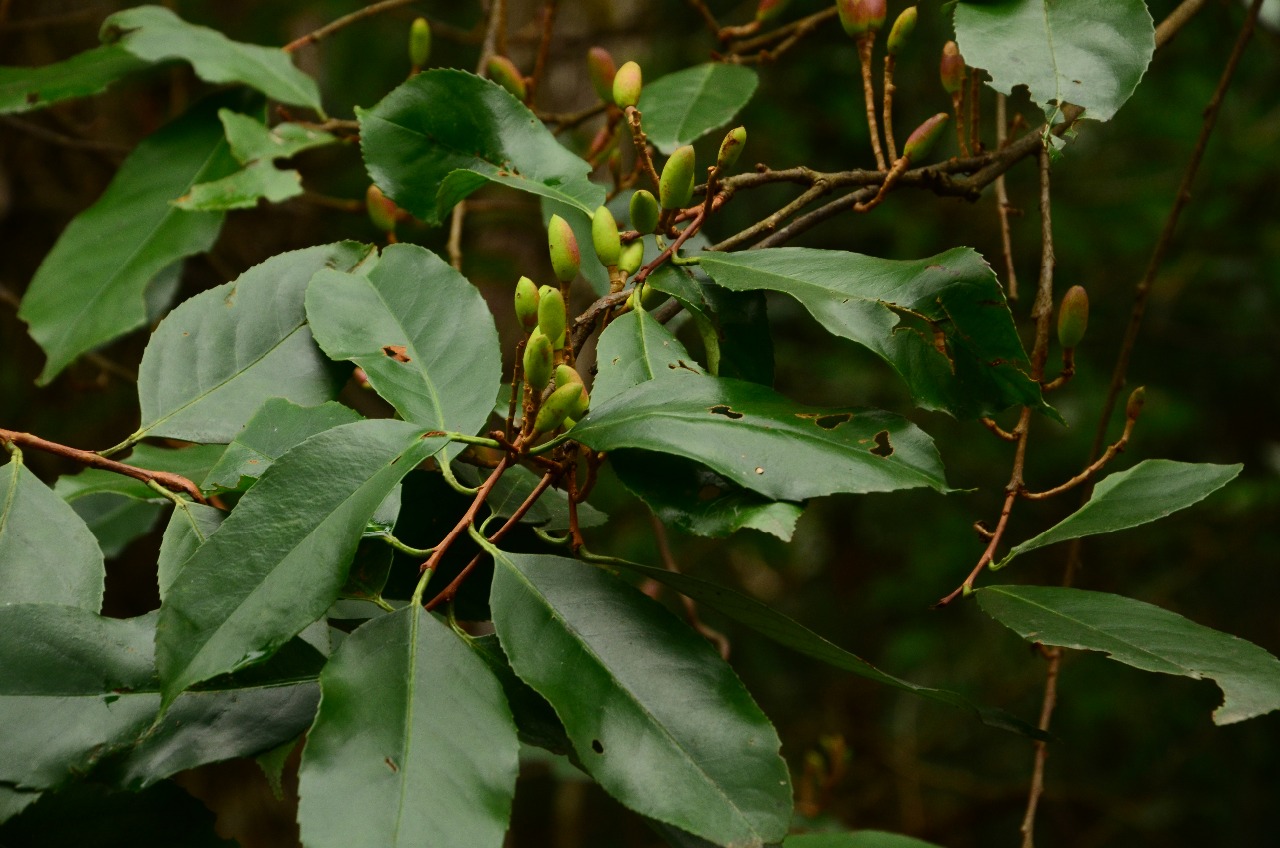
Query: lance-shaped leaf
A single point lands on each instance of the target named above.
(654, 714)
(682, 107)
(1089, 54)
(47, 554)
(413, 733)
(444, 133)
(765, 442)
(1147, 492)
(192, 462)
(277, 426)
(280, 559)
(213, 362)
(155, 34)
(90, 72)
(785, 631)
(90, 288)
(942, 322)
(421, 332)
(1143, 636)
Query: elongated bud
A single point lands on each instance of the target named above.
(1137, 399)
(1073, 316)
(557, 407)
(505, 73)
(567, 374)
(419, 42)
(563, 245)
(382, 212)
(604, 237)
(601, 70)
(527, 303)
(632, 258)
(768, 10)
(551, 315)
(951, 68)
(923, 137)
(731, 149)
(901, 31)
(539, 360)
(675, 186)
(627, 83)
(644, 211)
(861, 16)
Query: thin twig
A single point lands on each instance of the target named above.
(1097, 465)
(343, 22)
(709, 19)
(641, 142)
(690, 605)
(798, 27)
(1176, 20)
(866, 46)
(890, 145)
(467, 517)
(544, 49)
(1002, 203)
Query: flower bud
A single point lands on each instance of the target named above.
(551, 315)
(644, 211)
(901, 31)
(504, 72)
(1137, 399)
(527, 303)
(731, 149)
(539, 359)
(861, 16)
(601, 71)
(558, 406)
(419, 42)
(604, 237)
(923, 137)
(563, 245)
(675, 186)
(566, 374)
(632, 258)
(627, 83)
(382, 211)
(1073, 316)
(768, 10)
(951, 68)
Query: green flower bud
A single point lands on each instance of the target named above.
(601, 71)
(861, 16)
(951, 68)
(563, 244)
(505, 73)
(382, 212)
(551, 315)
(768, 10)
(632, 258)
(604, 236)
(901, 31)
(675, 186)
(1073, 316)
(419, 42)
(731, 149)
(558, 406)
(1137, 399)
(923, 137)
(627, 83)
(567, 374)
(644, 211)
(539, 360)
(527, 303)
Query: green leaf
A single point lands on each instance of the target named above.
(220, 355)
(682, 107)
(442, 134)
(762, 441)
(1150, 490)
(536, 721)
(634, 349)
(787, 632)
(277, 426)
(116, 520)
(423, 335)
(856, 839)
(47, 554)
(901, 310)
(90, 72)
(192, 462)
(654, 714)
(413, 744)
(280, 558)
(90, 288)
(370, 568)
(190, 526)
(252, 141)
(1089, 54)
(155, 34)
(14, 801)
(1143, 636)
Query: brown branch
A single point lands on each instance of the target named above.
(866, 46)
(890, 145)
(1176, 20)
(544, 49)
(998, 430)
(690, 605)
(1002, 203)
(341, 23)
(709, 19)
(641, 142)
(469, 516)
(799, 27)
(172, 482)
(1096, 466)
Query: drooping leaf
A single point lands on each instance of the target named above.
(192, 462)
(654, 714)
(1143, 636)
(414, 733)
(189, 527)
(155, 34)
(855, 839)
(104, 259)
(90, 72)
(116, 520)
(444, 133)
(213, 362)
(634, 349)
(47, 554)
(536, 721)
(421, 332)
(281, 557)
(682, 107)
(762, 441)
(1151, 490)
(908, 313)
(1091, 54)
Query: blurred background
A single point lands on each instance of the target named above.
(1138, 760)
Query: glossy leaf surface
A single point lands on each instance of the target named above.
(634, 349)
(189, 527)
(682, 107)
(277, 426)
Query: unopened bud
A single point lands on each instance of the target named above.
(567, 374)
(768, 10)
(923, 137)
(601, 70)
(632, 258)
(558, 406)
(563, 245)
(604, 237)
(901, 31)
(731, 149)
(527, 303)
(539, 360)
(861, 16)
(505, 73)
(551, 315)
(951, 68)
(627, 83)
(382, 211)
(644, 211)
(675, 186)
(1073, 316)
(1137, 399)
(419, 42)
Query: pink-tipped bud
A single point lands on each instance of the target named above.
(859, 17)
(601, 70)
(1073, 316)
(627, 83)
(951, 68)
(563, 245)
(769, 10)
(923, 137)
(900, 34)
(382, 212)
(505, 73)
